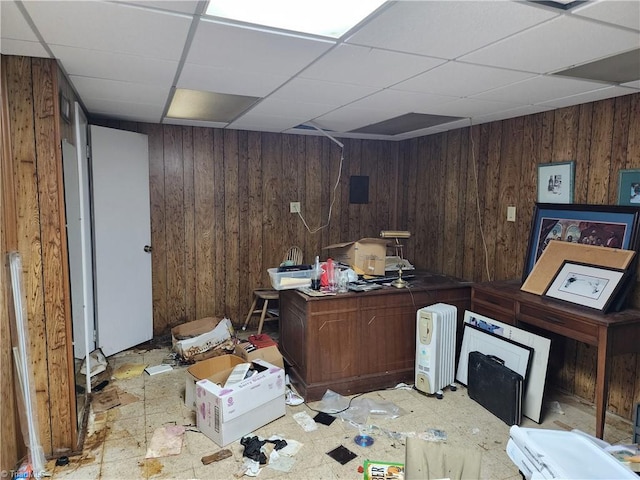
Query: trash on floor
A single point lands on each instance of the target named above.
(156, 369)
(342, 454)
(129, 370)
(305, 421)
(216, 457)
(197, 340)
(166, 441)
(375, 470)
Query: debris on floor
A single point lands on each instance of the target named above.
(129, 370)
(166, 441)
(216, 457)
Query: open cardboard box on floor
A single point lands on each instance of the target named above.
(366, 256)
(226, 414)
(217, 369)
(192, 340)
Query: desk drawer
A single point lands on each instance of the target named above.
(494, 306)
(558, 322)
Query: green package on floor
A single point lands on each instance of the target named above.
(374, 470)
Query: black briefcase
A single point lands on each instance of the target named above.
(496, 387)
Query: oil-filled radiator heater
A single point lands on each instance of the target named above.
(436, 348)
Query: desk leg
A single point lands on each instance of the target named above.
(602, 379)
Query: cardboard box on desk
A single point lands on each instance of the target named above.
(226, 414)
(192, 339)
(366, 254)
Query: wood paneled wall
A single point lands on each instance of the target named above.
(220, 207)
(35, 169)
(457, 187)
(220, 210)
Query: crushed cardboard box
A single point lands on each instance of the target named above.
(195, 341)
(366, 256)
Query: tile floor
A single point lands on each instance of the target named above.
(117, 439)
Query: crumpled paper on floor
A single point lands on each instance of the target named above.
(166, 441)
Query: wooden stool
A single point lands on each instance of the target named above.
(265, 295)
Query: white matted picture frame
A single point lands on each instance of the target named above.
(556, 182)
(592, 286)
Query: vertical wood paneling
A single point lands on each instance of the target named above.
(450, 202)
(244, 288)
(24, 145)
(12, 442)
(175, 227)
(39, 235)
(255, 267)
(491, 209)
(507, 246)
(600, 152)
(218, 215)
(271, 230)
(158, 226)
(189, 224)
(55, 273)
(231, 259)
(204, 222)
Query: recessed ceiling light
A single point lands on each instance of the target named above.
(329, 18)
(408, 122)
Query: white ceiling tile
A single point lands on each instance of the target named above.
(194, 123)
(22, 47)
(12, 23)
(226, 80)
(470, 107)
(396, 102)
(111, 27)
(512, 113)
(180, 6)
(555, 45)
(539, 89)
(634, 84)
(625, 13)
(368, 66)
(269, 123)
(138, 112)
(115, 66)
(452, 78)
(249, 50)
(593, 96)
(329, 93)
(282, 108)
(446, 29)
(120, 91)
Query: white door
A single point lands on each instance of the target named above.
(122, 234)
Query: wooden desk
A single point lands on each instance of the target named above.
(611, 334)
(359, 342)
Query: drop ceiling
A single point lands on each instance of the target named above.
(460, 62)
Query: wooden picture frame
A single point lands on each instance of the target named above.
(629, 187)
(614, 226)
(591, 286)
(556, 182)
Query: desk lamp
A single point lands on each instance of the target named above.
(397, 235)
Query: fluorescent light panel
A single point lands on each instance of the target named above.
(329, 18)
(208, 106)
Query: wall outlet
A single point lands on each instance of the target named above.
(511, 213)
(294, 207)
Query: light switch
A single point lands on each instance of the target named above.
(511, 213)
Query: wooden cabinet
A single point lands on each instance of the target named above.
(359, 342)
(612, 334)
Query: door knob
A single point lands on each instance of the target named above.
(147, 248)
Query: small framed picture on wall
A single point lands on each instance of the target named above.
(629, 188)
(555, 182)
